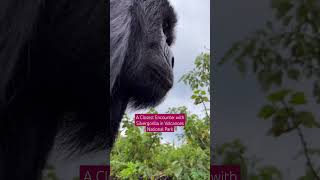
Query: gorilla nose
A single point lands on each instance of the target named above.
(172, 62)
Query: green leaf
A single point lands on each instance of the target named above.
(267, 111)
(278, 95)
(307, 119)
(177, 172)
(298, 98)
(280, 123)
(282, 7)
(241, 65)
(276, 78)
(231, 52)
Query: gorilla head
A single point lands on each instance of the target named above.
(141, 61)
(147, 71)
(142, 32)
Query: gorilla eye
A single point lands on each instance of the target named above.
(166, 29)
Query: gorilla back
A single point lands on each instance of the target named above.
(53, 56)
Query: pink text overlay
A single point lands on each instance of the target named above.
(160, 122)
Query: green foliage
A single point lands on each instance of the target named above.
(298, 98)
(278, 96)
(289, 50)
(267, 111)
(267, 173)
(309, 175)
(199, 79)
(49, 173)
(140, 154)
(234, 152)
(286, 50)
(285, 116)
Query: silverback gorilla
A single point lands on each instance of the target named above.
(57, 64)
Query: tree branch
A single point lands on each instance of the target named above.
(206, 110)
(303, 142)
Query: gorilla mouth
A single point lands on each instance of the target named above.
(165, 81)
(167, 84)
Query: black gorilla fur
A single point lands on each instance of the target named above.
(54, 74)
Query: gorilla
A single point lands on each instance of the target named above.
(57, 62)
(141, 60)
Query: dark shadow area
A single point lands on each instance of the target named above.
(54, 84)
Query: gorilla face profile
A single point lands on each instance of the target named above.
(148, 74)
(142, 32)
(141, 59)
